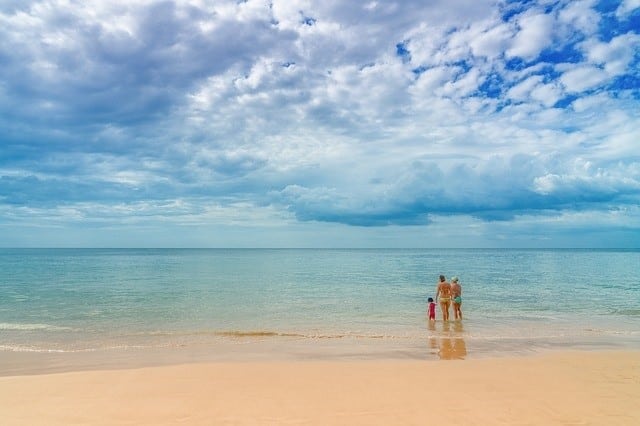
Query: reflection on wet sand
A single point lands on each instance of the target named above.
(446, 339)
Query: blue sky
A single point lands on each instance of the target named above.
(291, 123)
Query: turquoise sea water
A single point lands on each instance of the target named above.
(339, 301)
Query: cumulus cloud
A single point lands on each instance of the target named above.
(492, 42)
(578, 17)
(110, 64)
(582, 78)
(535, 33)
(499, 189)
(374, 114)
(614, 56)
(626, 7)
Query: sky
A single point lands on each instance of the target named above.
(301, 123)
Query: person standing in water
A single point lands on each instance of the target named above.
(456, 293)
(432, 309)
(443, 292)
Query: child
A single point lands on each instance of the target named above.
(432, 309)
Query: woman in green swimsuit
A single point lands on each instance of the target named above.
(443, 293)
(456, 292)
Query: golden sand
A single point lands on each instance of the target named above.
(577, 388)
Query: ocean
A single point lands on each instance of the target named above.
(218, 304)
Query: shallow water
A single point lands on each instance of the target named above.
(324, 303)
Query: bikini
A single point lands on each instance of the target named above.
(446, 299)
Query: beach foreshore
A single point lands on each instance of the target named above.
(594, 388)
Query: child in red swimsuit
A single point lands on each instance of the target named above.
(432, 309)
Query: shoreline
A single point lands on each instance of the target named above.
(431, 348)
(569, 387)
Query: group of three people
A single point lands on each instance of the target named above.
(447, 293)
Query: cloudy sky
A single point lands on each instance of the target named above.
(308, 123)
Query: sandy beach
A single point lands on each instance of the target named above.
(597, 388)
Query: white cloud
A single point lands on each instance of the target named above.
(533, 89)
(425, 44)
(238, 105)
(464, 85)
(534, 35)
(522, 90)
(603, 183)
(615, 55)
(547, 94)
(626, 7)
(579, 16)
(492, 42)
(434, 78)
(609, 134)
(582, 78)
(596, 102)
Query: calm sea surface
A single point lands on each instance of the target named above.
(340, 302)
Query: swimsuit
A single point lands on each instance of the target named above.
(432, 311)
(457, 300)
(445, 299)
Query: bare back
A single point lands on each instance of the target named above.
(456, 289)
(443, 295)
(443, 291)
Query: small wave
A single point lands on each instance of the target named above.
(10, 348)
(31, 327)
(33, 349)
(256, 334)
(627, 312)
(267, 333)
(613, 332)
(514, 316)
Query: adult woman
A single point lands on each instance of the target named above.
(443, 293)
(456, 294)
